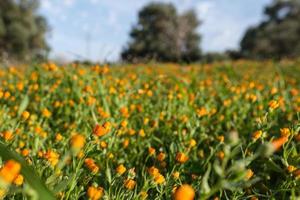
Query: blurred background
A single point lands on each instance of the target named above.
(184, 31)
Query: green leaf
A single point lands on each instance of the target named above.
(23, 105)
(204, 185)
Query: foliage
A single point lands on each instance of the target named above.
(129, 132)
(163, 35)
(22, 30)
(278, 35)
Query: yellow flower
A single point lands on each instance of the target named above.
(129, 184)
(19, 180)
(221, 138)
(143, 195)
(121, 169)
(25, 115)
(146, 121)
(193, 143)
(142, 133)
(103, 144)
(77, 141)
(159, 179)
(46, 113)
(249, 174)
(95, 193)
(176, 175)
(285, 132)
(58, 137)
(2, 193)
(184, 192)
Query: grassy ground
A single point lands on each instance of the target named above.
(228, 130)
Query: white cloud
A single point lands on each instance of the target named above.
(204, 8)
(68, 2)
(46, 4)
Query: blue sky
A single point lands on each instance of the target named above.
(107, 23)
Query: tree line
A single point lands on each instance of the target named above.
(161, 34)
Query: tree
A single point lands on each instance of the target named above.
(162, 34)
(22, 30)
(276, 37)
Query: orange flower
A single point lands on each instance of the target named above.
(124, 112)
(285, 132)
(90, 163)
(221, 155)
(121, 169)
(10, 171)
(25, 115)
(184, 192)
(125, 143)
(129, 184)
(279, 142)
(201, 112)
(256, 135)
(161, 156)
(296, 173)
(7, 135)
(77, 141)
(52, 157)
(181, 157)
(102, 130)
(153, 171)
(124, 123)
(249, 174)
(25, 152)
(151, 151)
(95, 193)
(273, 104)
(291, 168)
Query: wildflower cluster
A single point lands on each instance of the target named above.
(153, 132)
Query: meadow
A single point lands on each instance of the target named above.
(156, 131)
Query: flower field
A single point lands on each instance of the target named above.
(220, 131)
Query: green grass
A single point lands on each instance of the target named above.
(209, 113)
